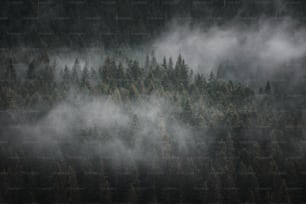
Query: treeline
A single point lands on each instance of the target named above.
(44, 83)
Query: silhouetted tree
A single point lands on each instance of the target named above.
(268, 88)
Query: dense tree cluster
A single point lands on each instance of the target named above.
(244, 150)
(44, 84)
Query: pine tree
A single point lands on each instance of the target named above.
(181, 72)
(268, 88)
(132, 131)
(31, 70)
(134, 93)
(49, 75)
(211, 77)
(214, 187)
(230, 85)
(153, 61)
(107, 72)
(94, 75)
(282, 195)
(117, 97)
(10, 73)
(66, 78)
(199, 82)
(76, 70)
(107, 194)
(187, 111)
(164, 65)
(132, 195)
(170, 64)
(77, 65)
(85, 83)
(66, 74)
(10, 98)
(147, 62)
(135, 71)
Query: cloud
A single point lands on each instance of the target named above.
(267, 44)
(101, 127)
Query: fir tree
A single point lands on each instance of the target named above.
(10, 73)
(268, 88)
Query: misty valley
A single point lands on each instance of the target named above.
(152, 101)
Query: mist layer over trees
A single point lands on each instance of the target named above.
(157, 131)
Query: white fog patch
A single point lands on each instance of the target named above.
(136, 133)
(282, 49)
(267, 44)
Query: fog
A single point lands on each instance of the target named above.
(267, 44)
(141, 131)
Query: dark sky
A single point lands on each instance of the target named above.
(96, 23)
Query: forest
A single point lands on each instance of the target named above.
(152, 132)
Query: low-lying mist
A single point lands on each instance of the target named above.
(137, 131)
